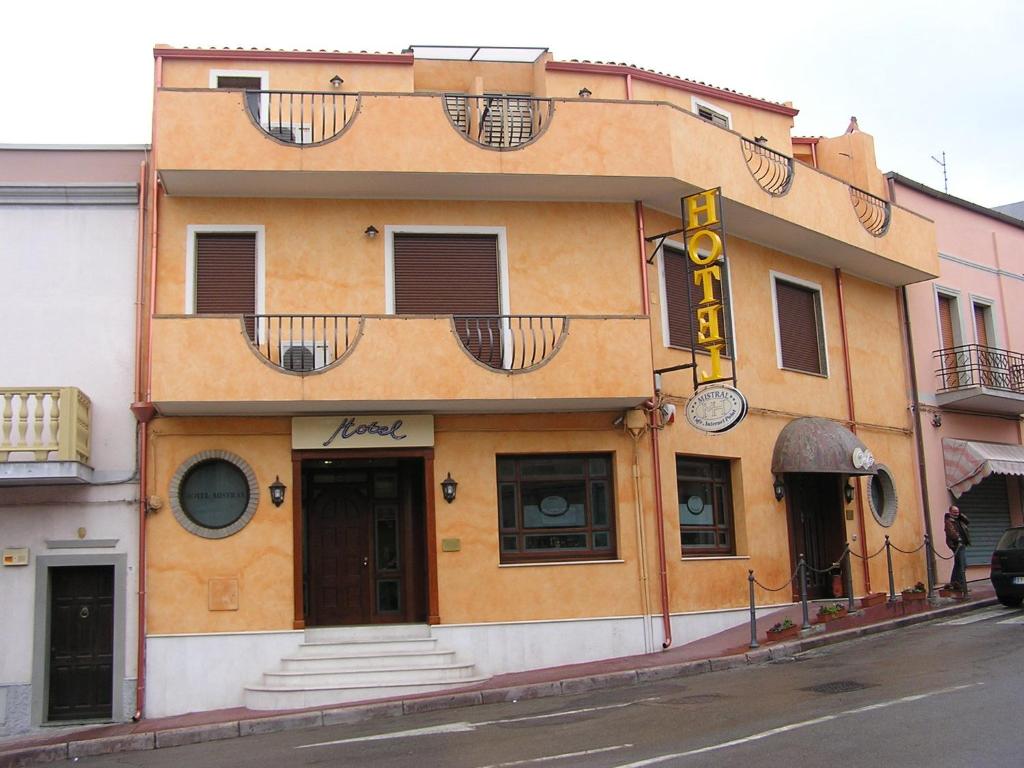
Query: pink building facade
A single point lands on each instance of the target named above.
(967, 341)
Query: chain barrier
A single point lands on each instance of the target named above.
(837, 568)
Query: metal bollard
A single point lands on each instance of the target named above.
(753, 612)
(888, 561)
(848, 577)
(803, 592)
(928, 566)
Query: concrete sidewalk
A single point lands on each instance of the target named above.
(725, 650)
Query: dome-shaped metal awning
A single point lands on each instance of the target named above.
(813, 444)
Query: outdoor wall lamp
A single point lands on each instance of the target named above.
(585, 92)
(277, 489)
(779, 488)
(848, 492)
(336, 81)
(936, 419)
(448, 486)
(370, 231)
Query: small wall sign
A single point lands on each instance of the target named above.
(362, 431)
(716, 408)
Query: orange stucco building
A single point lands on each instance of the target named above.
(375, 273)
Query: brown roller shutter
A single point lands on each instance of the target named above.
(226, 273)
(452, 275)
(677, 278)
(980, 327)
(946, 322)
(799, 334)
(946, 340)
(677, 307)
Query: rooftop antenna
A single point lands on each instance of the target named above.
(945, 179)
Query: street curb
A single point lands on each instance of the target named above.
(173, 737)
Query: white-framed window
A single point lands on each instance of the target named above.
(800, 340)
(391, 231)
(949, 325)
(674, 279)
(713, 113)
(212, 249)
(983, 321)
(248, 80)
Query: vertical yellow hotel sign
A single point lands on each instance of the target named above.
(705, 246)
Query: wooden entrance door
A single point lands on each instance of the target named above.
(81, 642)
(365, 531)
(816, 525)
(339, 553)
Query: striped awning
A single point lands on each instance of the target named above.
(968, 462)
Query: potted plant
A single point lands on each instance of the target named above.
(950, 591)
(918, 592)
(872, 598)
(831, 612)
(783, 630)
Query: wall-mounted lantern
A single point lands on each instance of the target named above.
(448, 486)
(277, 489)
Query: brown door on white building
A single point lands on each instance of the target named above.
(81, 647)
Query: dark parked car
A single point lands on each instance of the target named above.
(1008, 567)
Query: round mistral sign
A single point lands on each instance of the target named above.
(716, 408)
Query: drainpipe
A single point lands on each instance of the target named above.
(916, 405)
(659, 513)
(652, 409)
(143, 407)
(629, 87)
(853, 426)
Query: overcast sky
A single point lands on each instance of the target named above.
(922, 77)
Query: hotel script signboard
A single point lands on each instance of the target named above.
(322, 433)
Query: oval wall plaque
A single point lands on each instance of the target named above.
(716, 408)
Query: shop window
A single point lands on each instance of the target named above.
(705, 506)
(556, 507)
(799, 326)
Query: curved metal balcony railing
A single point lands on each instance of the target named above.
(498, 121)
(772, 170)
(973, 365)
(303, 344)
(511, 343)
(302, 118)
(874, 212)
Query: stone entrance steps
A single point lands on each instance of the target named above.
(336, 665)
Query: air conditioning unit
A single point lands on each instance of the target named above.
(293, 133)
(304, 356)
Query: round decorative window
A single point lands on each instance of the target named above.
(882, 496)
(214, 494)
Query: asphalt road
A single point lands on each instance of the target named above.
(939, 695)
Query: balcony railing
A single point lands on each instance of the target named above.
(874, 212)
(772, 170)
(513, 343)
(974, 365)
(498, 122)
(303, 343)
(302, 118)
(44, 424)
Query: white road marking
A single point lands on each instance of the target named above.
(563, 756)
(1014, 620)
(979, 616)
(794, 726)
(464, 727)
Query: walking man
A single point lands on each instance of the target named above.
(957, 539)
